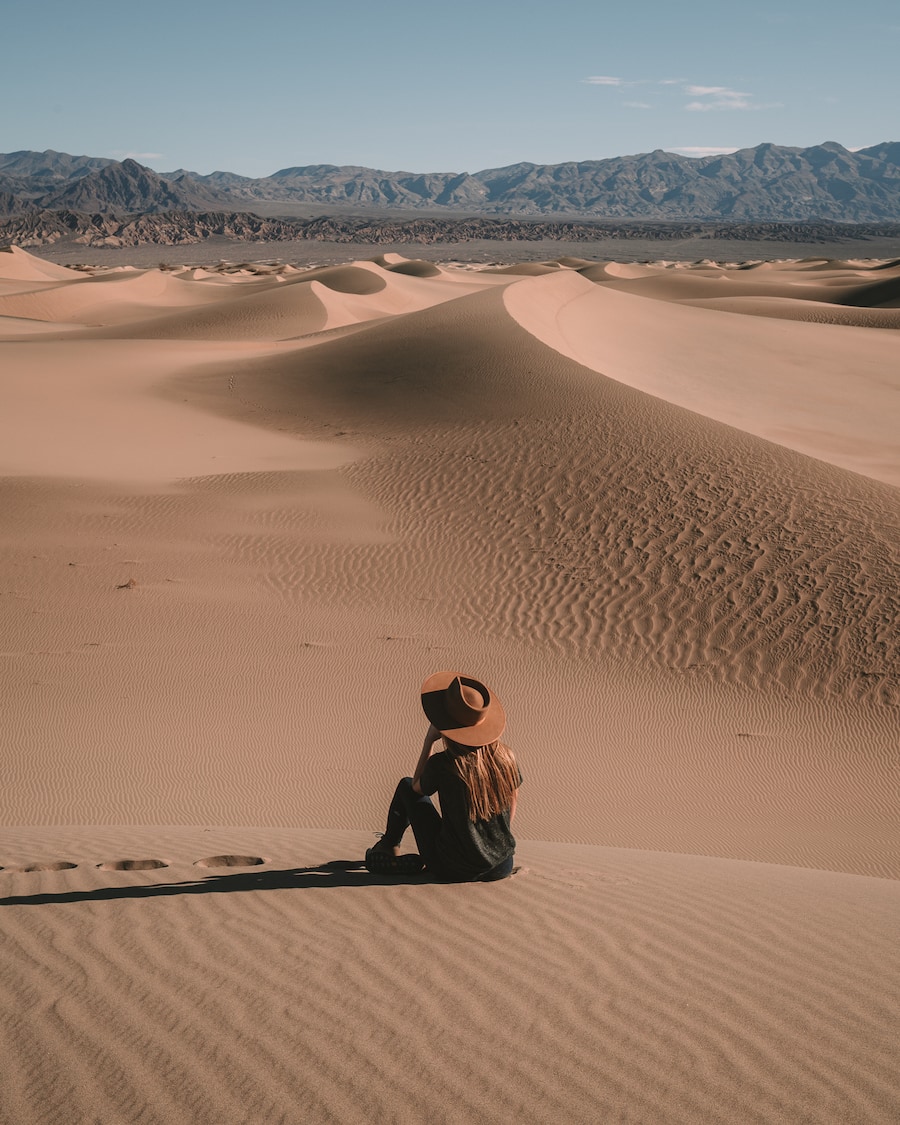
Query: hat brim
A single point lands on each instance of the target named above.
(434, 703)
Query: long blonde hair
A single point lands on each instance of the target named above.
(489, 773)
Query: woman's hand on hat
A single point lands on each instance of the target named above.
(432, 735)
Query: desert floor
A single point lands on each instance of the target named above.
(247, 508)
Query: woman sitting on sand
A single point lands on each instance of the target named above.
(476, 778)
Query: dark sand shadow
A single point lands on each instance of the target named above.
(334, 873)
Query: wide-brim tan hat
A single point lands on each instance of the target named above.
(463, 708)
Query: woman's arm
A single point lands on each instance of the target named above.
(512, 805)
(432, 735)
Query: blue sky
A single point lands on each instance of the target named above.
(459, 85)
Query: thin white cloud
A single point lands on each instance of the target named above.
(702, 150)
(704, 99)
(717, 97)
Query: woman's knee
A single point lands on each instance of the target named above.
(404, 791)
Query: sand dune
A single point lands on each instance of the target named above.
(244, 512)
(19, 265)
(813, 312)
(714, 281)
(88, 301)
(825, 391)
(880, 294)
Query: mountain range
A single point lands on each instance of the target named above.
(768, 183)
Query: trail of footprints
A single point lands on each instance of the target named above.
(140, 864)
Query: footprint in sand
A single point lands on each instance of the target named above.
(53, 865)
(230, 861)
(132, 865)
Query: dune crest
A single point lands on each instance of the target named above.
(824, 390)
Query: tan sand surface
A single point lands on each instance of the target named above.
(825, 390)
(598, 984)
(245, 513)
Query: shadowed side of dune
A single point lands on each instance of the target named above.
(415, 267)
(883, 294)
(360, 281)
(526, 269)
(805, 311)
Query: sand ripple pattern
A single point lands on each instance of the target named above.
(587, 516)
(629, 986)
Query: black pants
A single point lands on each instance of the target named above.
(409, 809)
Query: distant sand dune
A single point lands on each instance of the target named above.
(308, 303)
(19, 265)
(880, 294)
(812, 312)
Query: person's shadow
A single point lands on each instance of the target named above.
(334, 873)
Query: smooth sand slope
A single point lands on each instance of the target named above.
(245, 512)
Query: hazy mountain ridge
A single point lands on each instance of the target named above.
(40, 172)
(129, 187)
(765, 183)
(181, 228)
(55, 181)
(170, 228)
